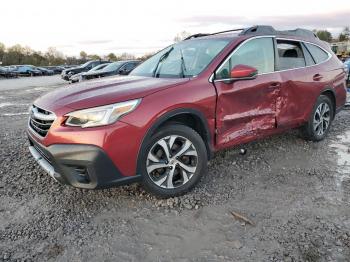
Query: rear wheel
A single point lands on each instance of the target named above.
(173, 161)
(320, 120)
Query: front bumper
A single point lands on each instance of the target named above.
(79, 165)
(65, 77)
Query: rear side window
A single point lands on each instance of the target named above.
(290, 55)
(258, 53)
(308, 58)
(317, 53)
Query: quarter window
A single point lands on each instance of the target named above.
(258, 53)
(290, 55)
(317, 53)
(308, 58)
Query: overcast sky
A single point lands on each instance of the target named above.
(138, 27)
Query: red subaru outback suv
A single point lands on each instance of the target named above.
(161, 124)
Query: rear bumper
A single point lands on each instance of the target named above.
(79, 165)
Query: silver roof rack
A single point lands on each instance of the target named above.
(261, 30)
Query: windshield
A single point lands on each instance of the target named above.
(86, 64)
(185, 59)
(113, 66)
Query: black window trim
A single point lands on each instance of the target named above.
(212, 79)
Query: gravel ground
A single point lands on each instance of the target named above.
(295, 193)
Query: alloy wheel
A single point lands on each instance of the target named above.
(322, 119)
(172, 161)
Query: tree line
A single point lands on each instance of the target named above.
(327, 36)
(24, 55)
(21, 55)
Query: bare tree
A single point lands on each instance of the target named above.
(83, 55)
(181, 36)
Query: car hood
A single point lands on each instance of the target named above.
(103, 92)
(74, 70)
(77, 75)
(97, 72)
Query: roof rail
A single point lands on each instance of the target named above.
(269, 30)
(262, 30)
(216, 33)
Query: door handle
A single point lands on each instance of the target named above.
(317, 77)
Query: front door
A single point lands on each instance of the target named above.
(247, 108)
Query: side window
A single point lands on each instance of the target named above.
(317, 53)
(290, 55)
(258, 53)
(129, 67)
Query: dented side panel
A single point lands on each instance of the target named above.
(246, 108)
(302, 87)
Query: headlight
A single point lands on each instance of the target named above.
(102, 115)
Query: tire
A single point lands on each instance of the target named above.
(316, 129)
(177, 174)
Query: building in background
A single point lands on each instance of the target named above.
(341, 49)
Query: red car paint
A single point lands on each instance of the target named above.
(235, 113)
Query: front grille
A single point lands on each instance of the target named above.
(40, 120)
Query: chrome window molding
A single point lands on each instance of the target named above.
(211, 78)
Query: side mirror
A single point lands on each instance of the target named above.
(243, 72)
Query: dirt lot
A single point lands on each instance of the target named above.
(295, 192)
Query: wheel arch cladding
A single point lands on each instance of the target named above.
(331, 94)
(186, 116)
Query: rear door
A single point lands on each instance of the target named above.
(302, 82)
(246, 108)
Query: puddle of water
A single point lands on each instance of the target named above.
(5, 104)
(11, 104)
(39, 89)
(15, 114)
(342, 147)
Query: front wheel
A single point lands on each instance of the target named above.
(320, 120)
(173, 161)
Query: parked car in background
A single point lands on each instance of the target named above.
(56, 69)
(77, 77)
(28, 70)
(116, 68)
(7, 72)
(161, 124)
(347, 68)
(67, 73)
(45, 71)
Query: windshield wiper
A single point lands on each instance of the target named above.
(165, 55)
(183, 66)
